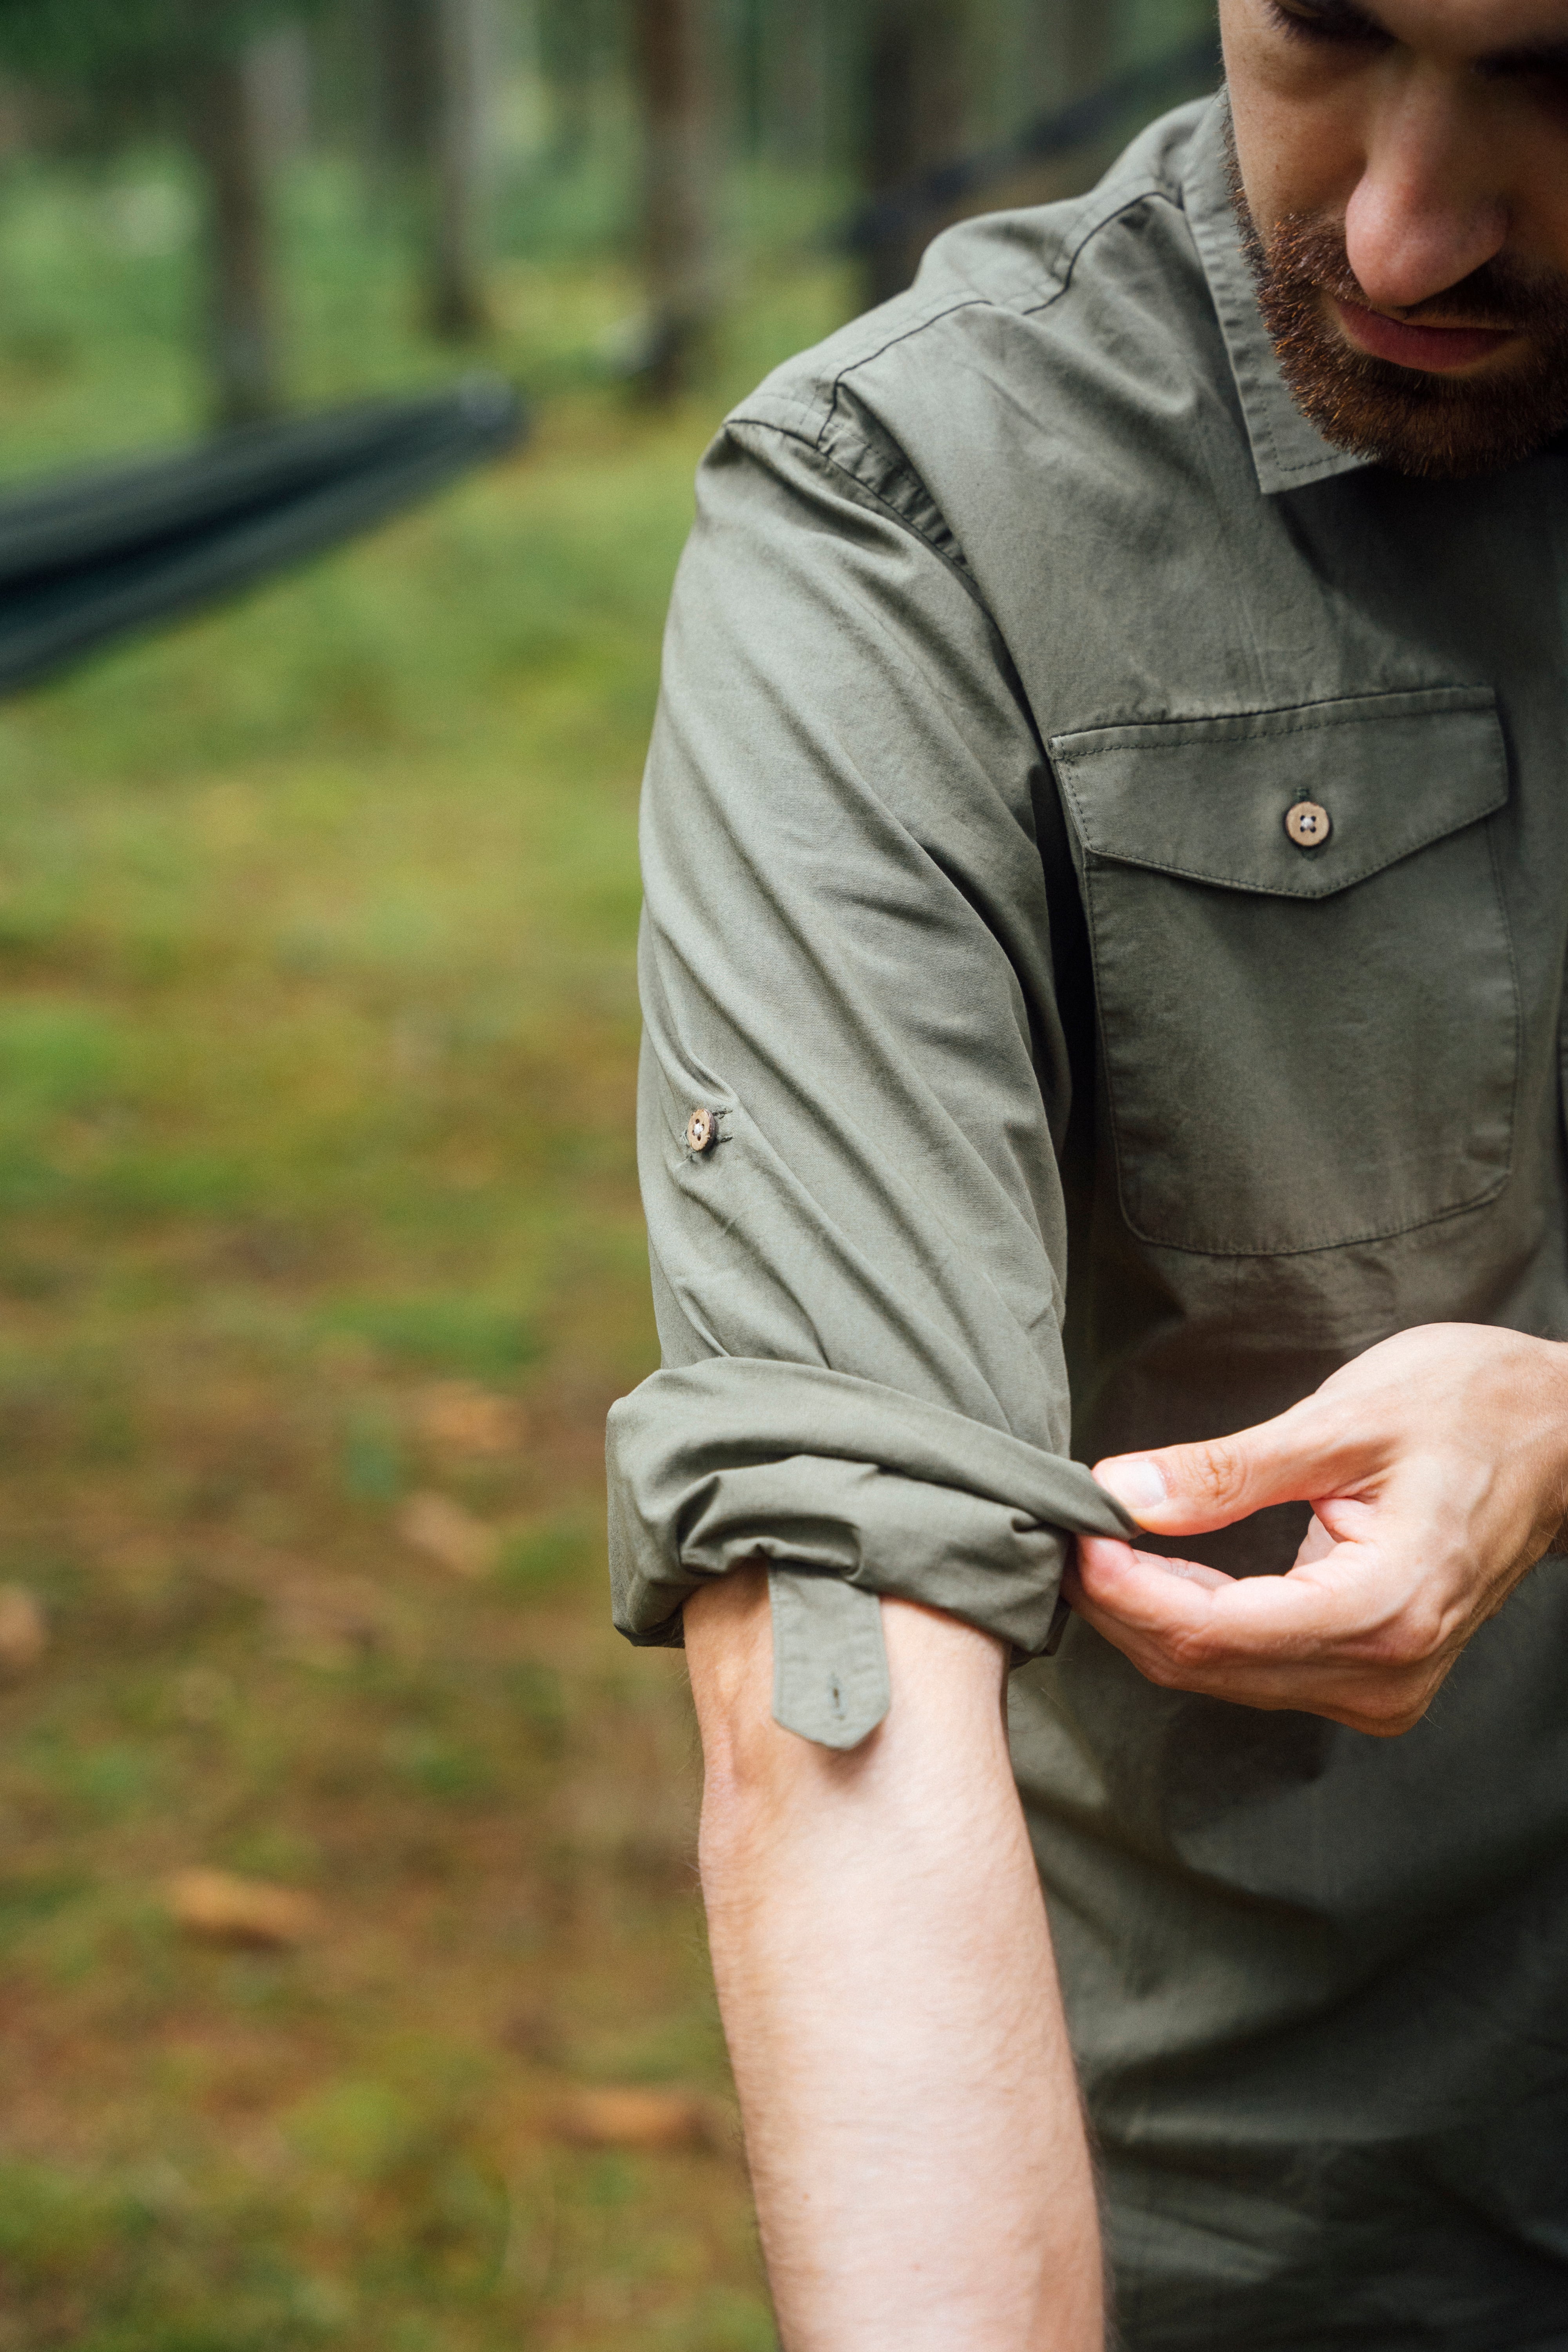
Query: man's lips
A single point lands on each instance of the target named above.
(1435, 348)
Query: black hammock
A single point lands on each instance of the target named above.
(1116, 105)
(103, 554)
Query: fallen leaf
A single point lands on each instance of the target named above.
(448, 1534)
(533, 2033)
(470, 1422)
(203, 1695)
(24, 1630)
(331, 1621)
(224, 1909)
(653, 2121)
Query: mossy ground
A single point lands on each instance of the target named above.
(317, 1040)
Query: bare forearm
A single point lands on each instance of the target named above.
(886, 1977)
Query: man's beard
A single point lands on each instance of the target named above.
(1440, 426)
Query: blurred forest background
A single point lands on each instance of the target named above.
(354, 1992)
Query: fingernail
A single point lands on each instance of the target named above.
(1136, 1484)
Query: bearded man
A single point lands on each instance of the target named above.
(1107, 864)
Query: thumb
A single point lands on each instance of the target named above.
(1183, 1490)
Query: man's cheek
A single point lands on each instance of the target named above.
(1301, 136)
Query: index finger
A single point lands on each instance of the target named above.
(1199, 1620)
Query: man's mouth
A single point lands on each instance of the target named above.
(1438, 349)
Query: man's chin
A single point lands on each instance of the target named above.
(1442, 424)
(1436, 427)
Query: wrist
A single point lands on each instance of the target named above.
(1557, 1374)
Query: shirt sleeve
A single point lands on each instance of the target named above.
(859, 1256)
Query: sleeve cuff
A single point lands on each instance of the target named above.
(850, 1492)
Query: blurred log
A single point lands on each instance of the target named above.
(227, 126)
(672, 47)
(112, 552)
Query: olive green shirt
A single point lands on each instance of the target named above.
(1062, 1100)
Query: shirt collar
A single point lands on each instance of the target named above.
(1286, 450)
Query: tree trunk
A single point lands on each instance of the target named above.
(1088, 53)
(227, 130)
(672, 56)
(429, 81)
(459, 310)
(752, 45)
(401, 73)
(1089, 44)
(567, 57)
(915, 107)
(282, 71)
(799, 123)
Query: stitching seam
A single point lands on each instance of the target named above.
(868, 497)
(1350, 1241)
(1291, 718)
(1138, 195)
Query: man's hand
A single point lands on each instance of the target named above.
(1436, 1466)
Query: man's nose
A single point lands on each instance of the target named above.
(1429, 207)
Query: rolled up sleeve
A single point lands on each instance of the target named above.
(847, 964)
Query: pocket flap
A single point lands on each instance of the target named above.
(1208, 798)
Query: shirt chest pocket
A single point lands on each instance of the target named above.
(1308, 1012)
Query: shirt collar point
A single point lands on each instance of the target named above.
(1276, 475)
(1288, 450)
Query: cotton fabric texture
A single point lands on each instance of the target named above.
(1067, 1105)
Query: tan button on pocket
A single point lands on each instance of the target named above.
(1308, 825)
(702, 1130)
(1295, 1057)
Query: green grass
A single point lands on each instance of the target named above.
(317, 1044)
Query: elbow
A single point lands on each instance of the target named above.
(748, 1802)
(752, 1769)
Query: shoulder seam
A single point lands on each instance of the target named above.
(832, 413)
(865, 495)
(905, 334)
(1137, 196)
(1098, 220)
(824, 405)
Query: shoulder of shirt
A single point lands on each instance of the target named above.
(840, 398)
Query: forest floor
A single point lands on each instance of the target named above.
(320, 1260)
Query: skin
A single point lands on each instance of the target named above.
(885, 1974)
(878, 1939)
(1436, 1465)
(1436, 131)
